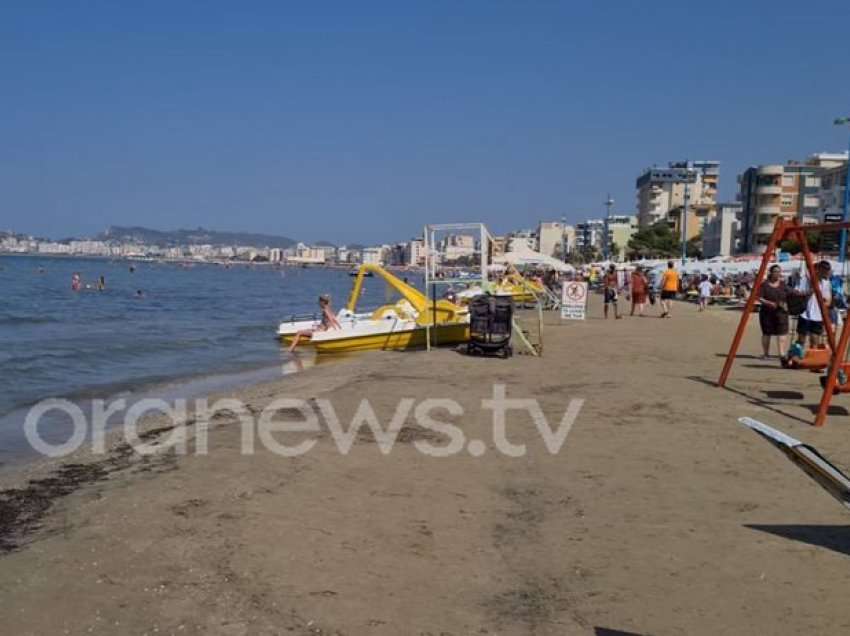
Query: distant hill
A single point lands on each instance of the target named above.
(199, 236)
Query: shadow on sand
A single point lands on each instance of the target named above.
(835, 538)
(752, 399)
(740, 356)
(784, 395)
(832, 410)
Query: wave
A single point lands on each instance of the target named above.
(90, 351)
(169, 385)
(11, 320)
(258, 329)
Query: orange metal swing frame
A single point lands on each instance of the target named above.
(791, 228)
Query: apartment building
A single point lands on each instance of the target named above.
(699, 214)
(307, 254)
(589, 235)
(660, 190)
(377, 255)
(553, 237)
(621, 228)
(833, 183)
(497, 246)
(721, 234)
(415, 253)
(790, 190)
(524, 239)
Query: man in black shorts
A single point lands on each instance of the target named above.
(669, 288)
(610, 291)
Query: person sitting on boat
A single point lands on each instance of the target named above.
(328, 321)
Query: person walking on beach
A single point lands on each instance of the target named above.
(810, 322)
(704, 292)
(327, 322)
(669, 288)
(609, 289)
(639, 285)
(773, 312)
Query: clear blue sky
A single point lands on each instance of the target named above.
(360, 121)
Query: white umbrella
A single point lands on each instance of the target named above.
(526, 256)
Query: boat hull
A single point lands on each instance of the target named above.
(400, 340)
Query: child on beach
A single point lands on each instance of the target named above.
(704, 292)
(795, 354)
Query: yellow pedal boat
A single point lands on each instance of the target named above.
(406, 324)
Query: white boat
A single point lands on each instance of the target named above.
(299, 323)
(403, 325)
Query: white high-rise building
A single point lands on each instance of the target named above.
(660, 190)
(720, 234)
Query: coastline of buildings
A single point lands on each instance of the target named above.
(812, 191)
(410, 253)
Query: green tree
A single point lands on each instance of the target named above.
(792, 246)
(694, 247)
(654, 241)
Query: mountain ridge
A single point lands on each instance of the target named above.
(197, 236)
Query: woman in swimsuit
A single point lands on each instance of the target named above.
(327, 322)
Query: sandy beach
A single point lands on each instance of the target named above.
(659, 515)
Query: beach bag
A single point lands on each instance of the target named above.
(797, 304)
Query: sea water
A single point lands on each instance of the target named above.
(199, 327)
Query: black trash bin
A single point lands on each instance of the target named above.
(490, 325)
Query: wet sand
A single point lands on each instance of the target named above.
(660, 514)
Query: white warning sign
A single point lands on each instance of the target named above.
(574, 300)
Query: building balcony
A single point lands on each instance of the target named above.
(773, 169)
(769, 189)
(765, 228)
(768, 210)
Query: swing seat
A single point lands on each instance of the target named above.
(814, 359)
(839, 388)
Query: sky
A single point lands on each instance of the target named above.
(360, 122)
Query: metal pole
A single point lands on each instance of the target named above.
(842, 250)
(564, 239)
(606, 249)
(427, 240)
(685, 225)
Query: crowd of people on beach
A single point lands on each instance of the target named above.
(785, 303)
